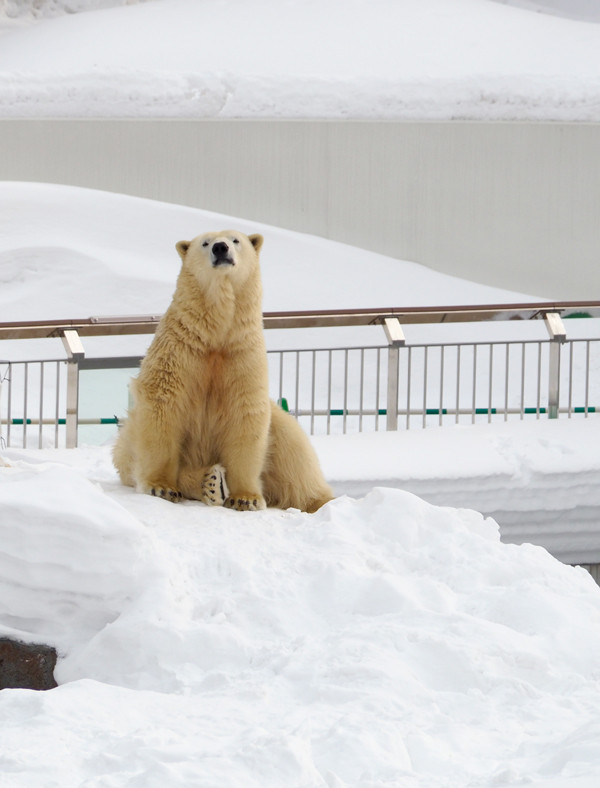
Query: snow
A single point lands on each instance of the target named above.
(583, 10)
(390, 59)
(384, 641)
(538, 480)
(126, 245)
(381, 641)
(51, 234)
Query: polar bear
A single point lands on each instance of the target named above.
(202, 425)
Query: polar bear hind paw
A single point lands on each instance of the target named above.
(214, 486)
(246, 502)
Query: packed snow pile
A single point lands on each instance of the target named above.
(39, 9)
(66, 527)
(539, 480)
(435, 59)
(381, 641)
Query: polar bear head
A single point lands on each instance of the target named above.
(226, 253)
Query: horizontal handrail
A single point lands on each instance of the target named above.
(146, 324)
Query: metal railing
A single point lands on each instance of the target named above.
(391, 386)
(350, 389)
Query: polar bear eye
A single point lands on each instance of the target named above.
(205, 243)
(236, 241)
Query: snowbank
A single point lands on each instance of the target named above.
(537, 479)
(40, 9)
(570, 9)
(380, 641)
(83, 553)
(436, 59)
(70, 252)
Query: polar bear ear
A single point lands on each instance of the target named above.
(257, 241)
(182, 247)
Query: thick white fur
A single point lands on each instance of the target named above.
(202, 408)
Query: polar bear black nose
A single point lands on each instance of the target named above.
(220, 249)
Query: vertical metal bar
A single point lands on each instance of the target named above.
(506, 376)
(312, 395)
(25, 387)
(425, 365)
(558, 335)
(408, 387)
(75, 353)
(554, 380)
(9, 404)
(2, 443)
(474, 384)
(539, 381)
(523, 348)
(377, 388)
(297, 391)
(72, 402)
(392, 387)
(457, 384)
(587, 378)
(281, 377)
(441, 384)
(41, 404)
(329, 395)
(361, 388)
(490, 390)
(570, 406)
(344, 418)
(57, 410)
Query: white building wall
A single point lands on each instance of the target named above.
(516, 205)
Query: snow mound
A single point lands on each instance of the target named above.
(436, 59)
(380, 641)
(70, 558)
(68, 252)
(40, 9)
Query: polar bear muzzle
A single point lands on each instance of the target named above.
(221, 254)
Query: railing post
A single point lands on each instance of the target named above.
(558, 335)
(75, 353)
(396, 340)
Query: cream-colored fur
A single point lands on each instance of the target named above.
(202, 425)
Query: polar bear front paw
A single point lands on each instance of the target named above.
(246, 502)
(214, 486)
(165, 492)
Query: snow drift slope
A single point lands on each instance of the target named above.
(73, 252)
(67, 252)
(382, 641)
(284, 58)
(539, 480)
